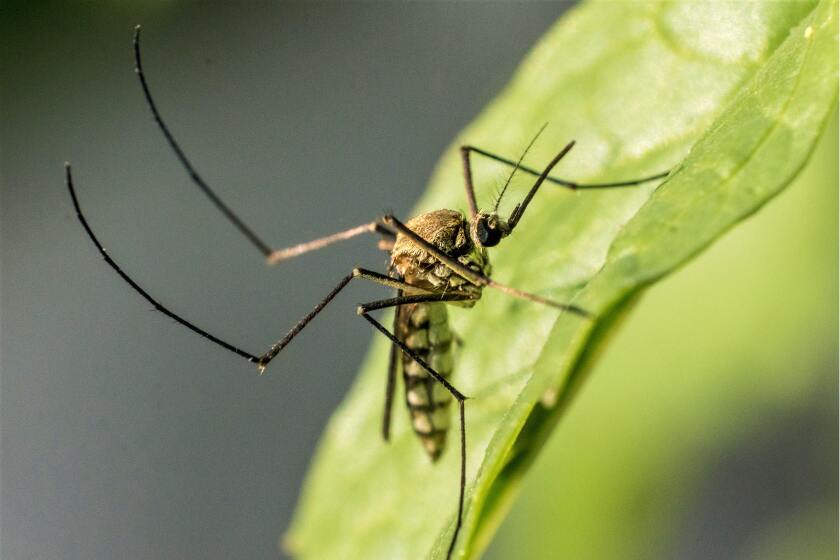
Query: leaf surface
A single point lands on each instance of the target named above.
(732, 97)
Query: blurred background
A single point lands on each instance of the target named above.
(125, 435)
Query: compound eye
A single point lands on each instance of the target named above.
(487, 236)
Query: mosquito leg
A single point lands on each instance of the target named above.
(468, 181)
(563, 182)
(356, 273)
(384, 280)
(458, 396)
(519, 209)
(260, 360)
(158, 306)
(196, 178)
(401, 299)
(391, 380)
(271, 255)
(463, 484)
(421, 298)
(476, 277)
(413, 355)
(280, 255)
(392, 361)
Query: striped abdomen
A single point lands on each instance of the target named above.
(424, 327)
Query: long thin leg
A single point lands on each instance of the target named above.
(247, 355)
(422, 298)
(459, 397)
(563, 182)
(468, 180)
(275, 349)
(439, 378)
(260, 360)
(476, 277)
(272, 256)
(280, 255)
(399, 301)
(463, 483)
(196, 178)
(384, 280)
(391, 380)
(519, 209)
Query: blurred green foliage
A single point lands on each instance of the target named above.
(733, 97)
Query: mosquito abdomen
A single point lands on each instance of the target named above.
(426, 331)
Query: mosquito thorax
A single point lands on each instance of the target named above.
(449, 231)
(488, 229)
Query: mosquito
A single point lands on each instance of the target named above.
(436, 259)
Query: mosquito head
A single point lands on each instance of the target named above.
(488, 229)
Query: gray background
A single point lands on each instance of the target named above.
(125, 435)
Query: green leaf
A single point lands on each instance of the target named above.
(713, 413)
(731, 96)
